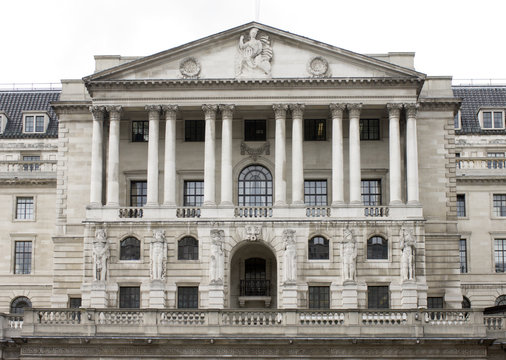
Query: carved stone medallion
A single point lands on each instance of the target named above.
(189, 68)
(318, 67)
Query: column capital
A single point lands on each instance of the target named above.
(297, 110)
(170, 111)
(337, 110)
(394, 110)
(210, 110)
(153, 108)
(280, 110)
(354, 109)
(114, 111)
(227, 109)
(411, 109)
(98, 112)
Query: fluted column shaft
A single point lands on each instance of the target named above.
(280, 155)
(394, 147)
(97, 155)
(337, 154)
(210, 155)
(355, 174)
(297, 154)
(412, 153)
(113, 157)
(226, 154)
(154, 136)
(169, 172)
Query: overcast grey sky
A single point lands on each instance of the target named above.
(49, 40)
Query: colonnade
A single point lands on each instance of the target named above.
(155, 113)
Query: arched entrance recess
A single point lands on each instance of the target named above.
(253, 277)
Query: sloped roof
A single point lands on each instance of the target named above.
(13, 103)
(473, 99)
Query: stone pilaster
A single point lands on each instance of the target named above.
(210, 155)
(412, 153)
(337, 154)
(297, 154)
(280, 155)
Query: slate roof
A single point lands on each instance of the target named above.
(13, 103)
(474, 98)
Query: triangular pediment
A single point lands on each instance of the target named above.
(261, 53)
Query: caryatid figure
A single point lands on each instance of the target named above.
(158, 255)
(100, 255)
(217, 263)
(407, 244)
(349, 256)
(290, 265)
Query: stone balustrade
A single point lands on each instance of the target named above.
(358, 323)
(44, 169)
(481, 166)
(318, 211)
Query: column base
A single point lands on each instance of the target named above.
(209, 204)
(413, 202)
(395, 202)
(227, 204)
(298, 203)
(94, 205)
(169, 204)
(152, 205)
(337, 203)
(356, 202)
(112, 205)
(280, 204)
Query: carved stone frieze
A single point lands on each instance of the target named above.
(255, 152)
(254, 55)
(318, 66)
(189, 68)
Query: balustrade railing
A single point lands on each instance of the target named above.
(120, 318)
(446, 317)
(318, 211)
(188, 212)
(481, 163)
(15, 321)
(59, 317)
(494, 322)
(376, 211)
(253, 212)
(131, 213)
(255, 287)
(321, 318)
(27, 167)
(384, 318)
(251, 318)
(183, 318)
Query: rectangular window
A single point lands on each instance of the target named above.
(31, 167)
(315, 192)
(369, 129)
(499, 204)
(498, 161)
(193, 193)
(461, 205)
(194, 130)
(130, 297)
(23, 257)
(187, 297)
(319, 297)
(371, 192)
(435, 302)
(463, 255)
(377, 297)
(75, 302)
(29, 125)
(493, 119)
(255, 130)
(500, 255)
(315, 130)
(140, 131)
(39, 124)
(24, 208)
(138, 193)
(456, 120)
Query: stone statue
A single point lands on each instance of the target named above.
(254, 55)
(290, 265)
(158, 255)
(407, 245)
(217, 263)
(100, 255)
(253, 232)
(349, 256)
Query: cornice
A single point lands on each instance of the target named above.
(20, 181)
(500, 179)
(440, 104)
(71, 107)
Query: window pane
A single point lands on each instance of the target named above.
(315, 130)
(188, 248)
(187, 297)
(500, 255)
(39, 124)
(31, 167)
(319, 297)
(461, 205)
(140, 131)
(129, 297)
(315, 192)
(377, 248)
(463, 255)
(19, 304)
(138, 193)
(29, 126)
(369, 129)
(371, 192)
(487, 120)
(255, 186)
(130, 249)
(377, 297)
(499, 204)
(193, 193)
(318, 248)
(24, 208)
(498, 122)
(435, 302)
(194, 130)
(255, 130)
(23, 257)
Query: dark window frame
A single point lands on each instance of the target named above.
(315, 129)
(255, 130)
(370, 129)
(315, 192)
(130, 248)
(193, 193)
(15, 307)
(375, 250)
(499, 205)
(255, 186)
(318, 248)
(319, 297)
(138, 199)
(23, 257)
(129, 297)
(25, 208)
(188, 248)
(461, 205)
(466, 303)
(371, 192)
(194, 130)
(435, 302)
(140, 131)
(500, 255)
(463, 256)
(187, 297)
(378, 297)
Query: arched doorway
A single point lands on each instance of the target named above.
(253, 277)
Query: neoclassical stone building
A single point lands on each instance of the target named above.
(251, 194)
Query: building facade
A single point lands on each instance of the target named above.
(251, 194)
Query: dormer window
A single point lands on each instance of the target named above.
(457, 121)
(3, 122)
(35, 123)
(492, 119)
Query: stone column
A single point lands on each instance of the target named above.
(210, 155)
(337, 154)
(113, 158)
(394, 147)
(297, 154)
(411, 153)
(226, 154)
(280, 155)
(97, 155)
(169, 172)
(154, 136)
(355, 177)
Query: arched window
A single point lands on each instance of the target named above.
(130, 249)
(318, 248)
(255, 186)
(377, 248)
(466, 304)
(188, 248)
(19, 304)
(501, 300)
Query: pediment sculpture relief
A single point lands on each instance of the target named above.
(254, 55)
